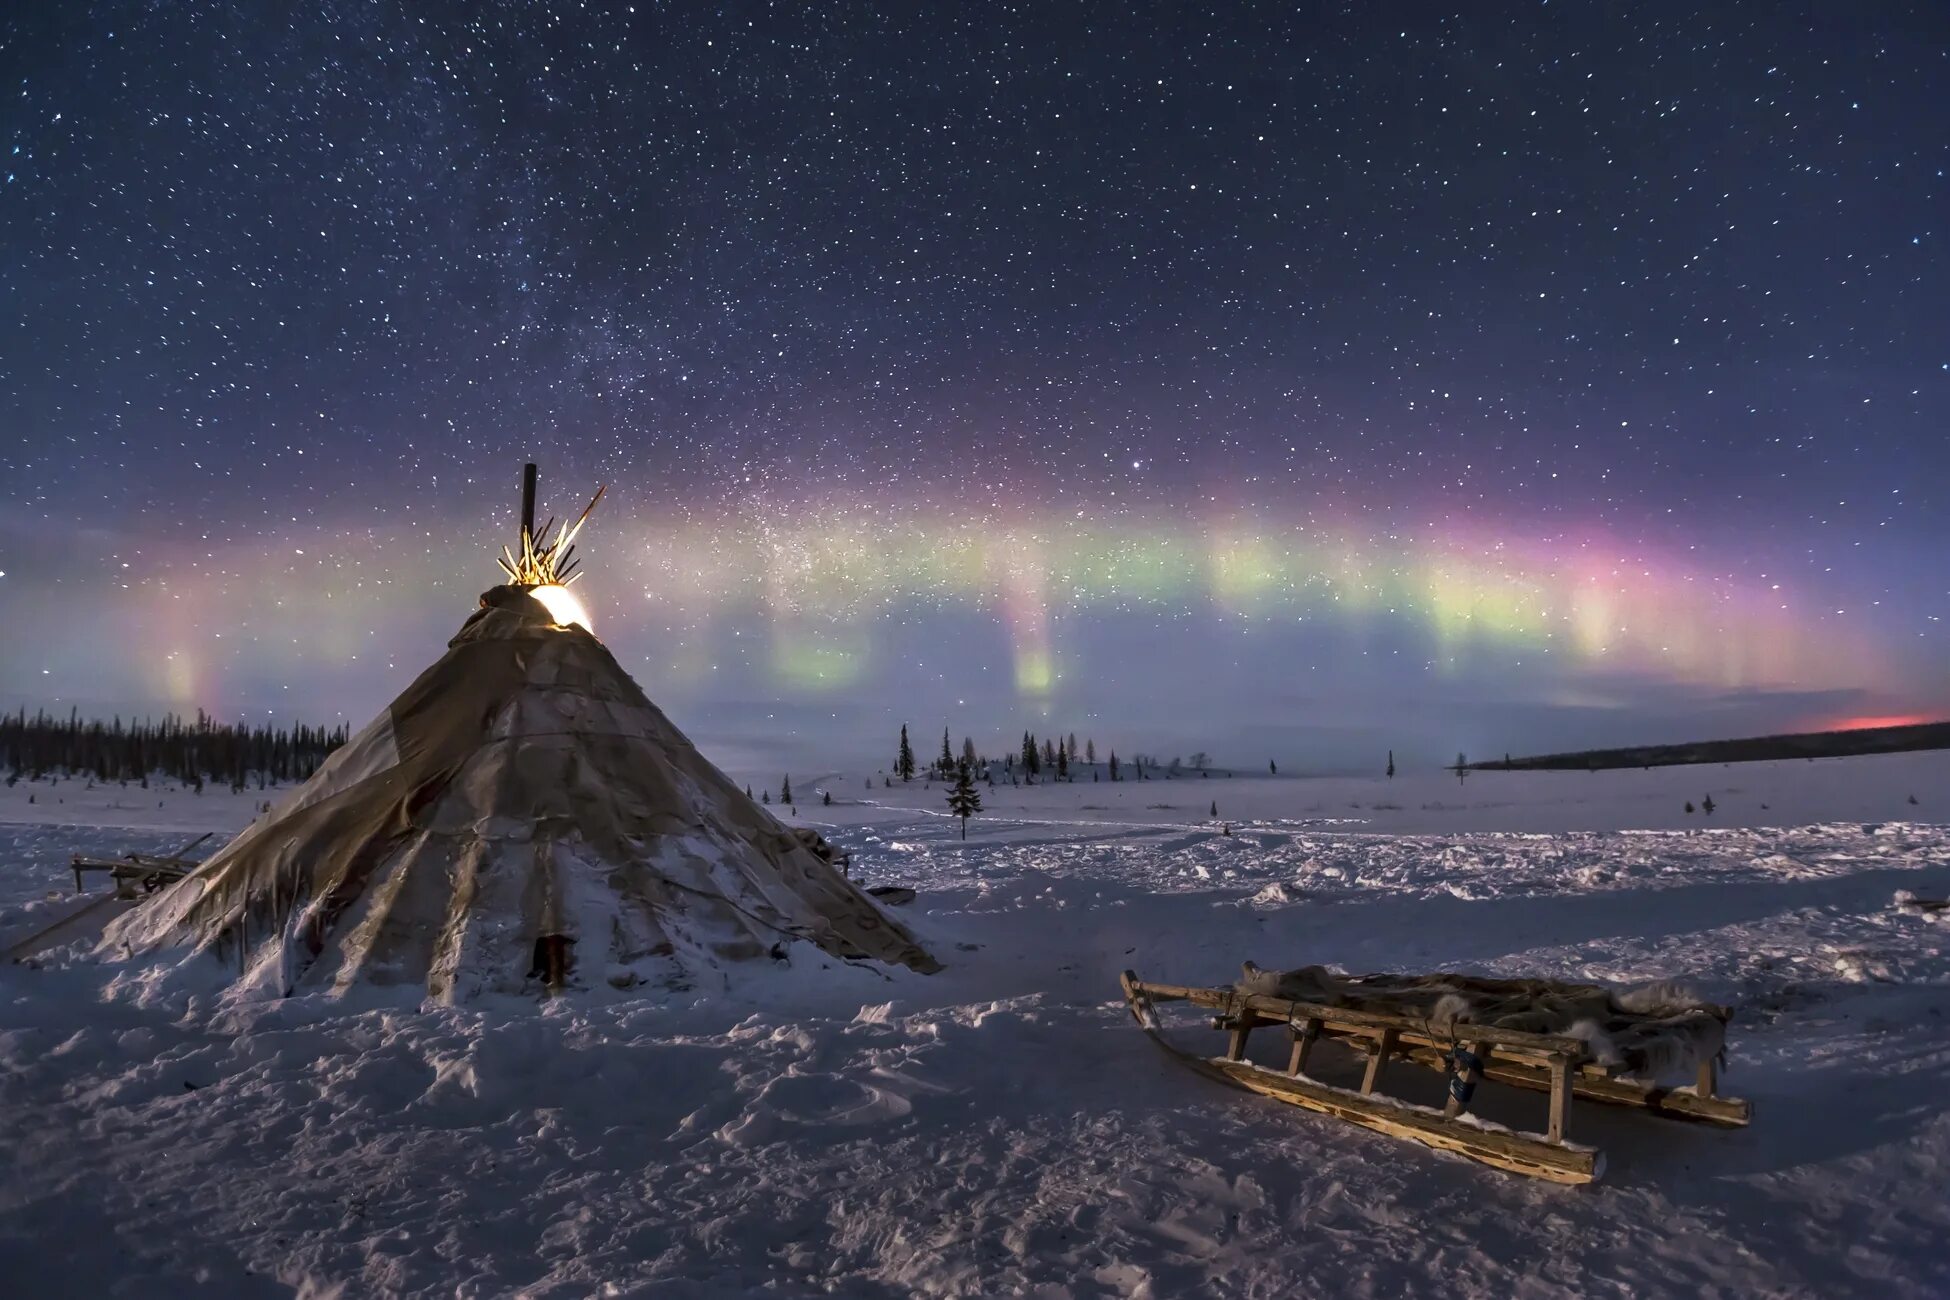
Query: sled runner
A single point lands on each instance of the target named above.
(1408, 1019)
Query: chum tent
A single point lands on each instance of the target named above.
(522, 819)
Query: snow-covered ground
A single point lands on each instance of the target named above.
(1003, 1128)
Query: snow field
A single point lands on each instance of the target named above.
(1002, 1128)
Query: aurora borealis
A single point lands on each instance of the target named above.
(1299, 382)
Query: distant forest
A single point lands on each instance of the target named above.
(190, 752)
(1810, 744)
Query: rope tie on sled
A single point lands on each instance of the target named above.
(1460, 1072)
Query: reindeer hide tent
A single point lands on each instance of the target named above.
(520, 819)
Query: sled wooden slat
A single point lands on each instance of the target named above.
(1557, 1065)
(1384, 1046)
(1236, 1044)
(1589, 1079)
(1519, 1153)
(1304, 1038)
(1285, 1009)
(1594, 1084)
(1560, 1111)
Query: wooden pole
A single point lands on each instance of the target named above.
(1242, 1025)
(527, 501)
(1560, 1113)
(1384, 1046)
(1304, 1039)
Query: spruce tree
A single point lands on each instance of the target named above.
(964, 801)
(785, 789)
(946, 763)
(1391, 763)
(904, 765)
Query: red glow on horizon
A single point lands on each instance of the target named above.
(1867, 724)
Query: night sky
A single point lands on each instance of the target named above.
(1293, 382)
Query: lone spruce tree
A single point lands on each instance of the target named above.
(904, 765)
(964, 801)
(1391, 762)
(785, 789)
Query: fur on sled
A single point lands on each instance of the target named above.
(1658, 1032)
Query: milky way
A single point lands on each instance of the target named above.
(1306, 381)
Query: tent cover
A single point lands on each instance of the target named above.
(522, 819)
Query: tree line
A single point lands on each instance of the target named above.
(192, 753)
(1058, 758)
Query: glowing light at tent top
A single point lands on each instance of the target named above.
(562, 606)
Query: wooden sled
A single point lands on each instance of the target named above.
(1550, 1063)
(134, 876)
(146, 871)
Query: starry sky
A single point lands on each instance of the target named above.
(1280, 381)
